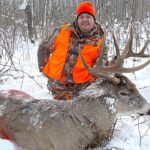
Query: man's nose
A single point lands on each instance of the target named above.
(84, 19)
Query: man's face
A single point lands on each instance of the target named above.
(86, 22)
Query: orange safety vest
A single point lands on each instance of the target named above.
(55, 65)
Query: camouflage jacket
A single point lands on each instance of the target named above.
(76, 41)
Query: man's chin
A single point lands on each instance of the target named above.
(85, 30)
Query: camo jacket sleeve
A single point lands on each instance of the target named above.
(46, 48)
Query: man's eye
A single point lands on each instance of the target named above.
(81, 17)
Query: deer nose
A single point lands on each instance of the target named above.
(148, 112)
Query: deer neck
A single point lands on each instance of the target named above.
(91, 106)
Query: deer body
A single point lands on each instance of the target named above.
(83, 123)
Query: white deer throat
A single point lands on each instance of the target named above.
(92, 92)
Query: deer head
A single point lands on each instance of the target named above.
(99, 70)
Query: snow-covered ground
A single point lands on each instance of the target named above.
(128, 135)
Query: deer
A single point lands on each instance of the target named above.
(85, 122)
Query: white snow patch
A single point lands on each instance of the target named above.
(110, 103)
(2, 108)
(36, 121)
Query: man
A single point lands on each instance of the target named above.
(58, 56)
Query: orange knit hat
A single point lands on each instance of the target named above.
(86, 7)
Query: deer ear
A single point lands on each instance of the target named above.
(93, 91)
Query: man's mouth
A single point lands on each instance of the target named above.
(85, 24)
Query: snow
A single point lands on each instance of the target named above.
(6, 145)
(23, 5)
(128, 135)
(110, 102)
(1, 110)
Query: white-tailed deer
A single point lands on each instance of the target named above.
(83, 123)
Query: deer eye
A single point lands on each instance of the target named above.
(124, 93)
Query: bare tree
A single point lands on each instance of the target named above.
(43, 16)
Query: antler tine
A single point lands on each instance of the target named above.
(101, 54)
(128, 52)
(141, 53)
(116, 45)
(90, 70)
(120, 59)
(128, 45)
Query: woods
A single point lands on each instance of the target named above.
(43, 16)
(33, 20)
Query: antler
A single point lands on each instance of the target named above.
(100, 70)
